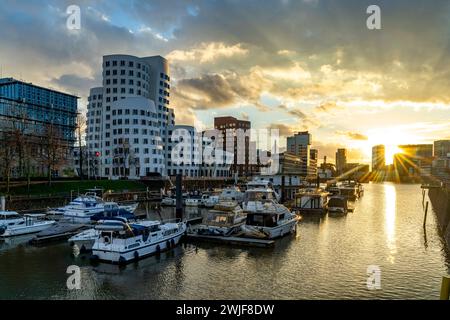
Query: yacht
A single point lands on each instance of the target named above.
(193, 201)
(311, 201)
(232, 194)
(112, 210)
(13, 224)
(169, 201)
(209, 201)
(85, 240)
(338, 204)
(266, 218)
(225, 219)
(121, 242)
(85, 206)
(262, 184)
(89, 199)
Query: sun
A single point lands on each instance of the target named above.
(391, 138)
(390, 151)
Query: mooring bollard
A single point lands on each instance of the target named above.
(425, 217)
(445, 288)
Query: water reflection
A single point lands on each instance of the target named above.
(327, 259)
(390, 212)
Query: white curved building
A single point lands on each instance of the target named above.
(128, 117)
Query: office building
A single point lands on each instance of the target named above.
(378, 158)
(341, 161)
(129, 116)
(237, 146)
(442, 148)
(34, 111)
(300, 145)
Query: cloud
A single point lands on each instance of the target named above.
(207, 52)
(352, 135)
(327, 107)
(284, 130)
(308, 121)
(219, 90)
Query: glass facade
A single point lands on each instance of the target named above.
(35, 107)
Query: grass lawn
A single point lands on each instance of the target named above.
(58, 187)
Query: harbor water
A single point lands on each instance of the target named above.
(328, 258)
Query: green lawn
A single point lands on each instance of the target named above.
(59, 187)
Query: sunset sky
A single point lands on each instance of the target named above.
(288, 64)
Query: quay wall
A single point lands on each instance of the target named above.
(440, 200)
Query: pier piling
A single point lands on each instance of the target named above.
(2, 203)
(425, 216)
(445, 288)
(179, 197)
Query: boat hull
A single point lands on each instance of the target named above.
(279, 231)
(23, 230)
(118, 256)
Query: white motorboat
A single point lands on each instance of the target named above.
(169, 201)
(266, 218)
(225, 219)
(86, 206)
(13, 224)
(85, 240)
(232, 194)
(89, 199)
(209, 201)
(262, 184)
(122, 242)
(193, 201)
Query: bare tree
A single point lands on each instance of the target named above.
(54, 149)
(7, 156)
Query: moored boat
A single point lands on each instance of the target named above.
(12, 224)
(266, 218)
(122, 242)
(338, 205)
(232, 194)
(224, 220)
(311, 201)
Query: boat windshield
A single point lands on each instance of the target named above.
(262, 196)
(336, 202)
(10, 216)
(261, 220)
(219, 219)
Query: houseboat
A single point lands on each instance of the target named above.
(311, 201)
(338, 205)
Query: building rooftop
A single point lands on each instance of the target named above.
(6, 81)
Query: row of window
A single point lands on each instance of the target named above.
(123, 63)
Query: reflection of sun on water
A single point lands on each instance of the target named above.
(390, 213)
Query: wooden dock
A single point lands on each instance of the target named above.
(58, 232)
(239, 241)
